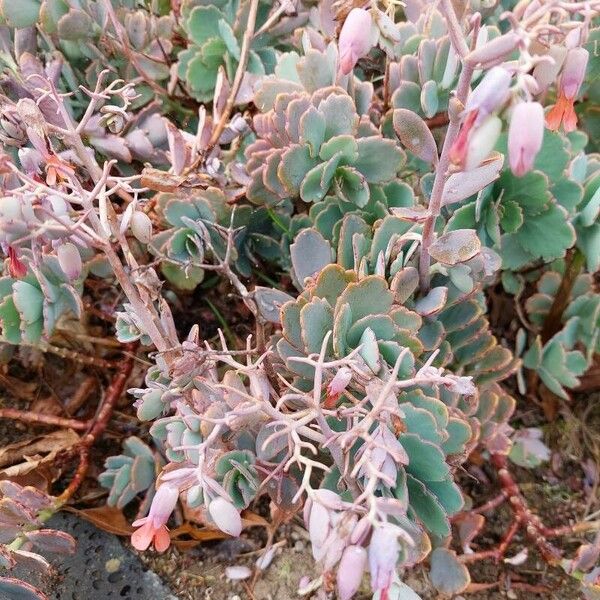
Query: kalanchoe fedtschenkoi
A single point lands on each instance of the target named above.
(525, 136)
(153, 529)
(356, 38)
(489, 95)
(310, 146)
(571, 78)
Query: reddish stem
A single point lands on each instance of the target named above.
(37, 419)
(113, 393)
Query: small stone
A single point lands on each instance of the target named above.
(299, 546)
(112, 565)
(511, 594)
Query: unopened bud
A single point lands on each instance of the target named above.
(525, 136)
(141, 226)
(356, 39)
(546, 71)
(490, 94)
(69, 260)
(350, 571)
(225, 516)
(495, 51)
(482, 142)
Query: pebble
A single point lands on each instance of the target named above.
(112, 565)
(299, 546)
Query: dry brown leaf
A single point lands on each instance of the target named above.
(40, 445)
(107, 518)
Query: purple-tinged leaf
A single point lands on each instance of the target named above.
(448, 575)
(15, 589)
(433, 302)
(415, 135)
(28, 496)
(468, 183)
(30, 560)
(50, 540)
(14, 513)
(415, 214)
(455, 247)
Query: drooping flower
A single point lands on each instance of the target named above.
(69, 260)
(481, 142)
(153, 529)
(483, 101)
(356, 39)
(350, 571)
(525, 136)
(226, 516)
(571, 79)
(383, 555)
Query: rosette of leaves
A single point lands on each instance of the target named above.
(215, 31)
(237, 474)
(425, 75)
(311, 72)
(129, 474)
(514, 214)
(449, 320)
(176, 431)
(309, 146)
(560, 361)
(183, 245)
(31, 307)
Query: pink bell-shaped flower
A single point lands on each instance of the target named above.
(153, 529)
(356, 39)
(525, 136)
(573, 72)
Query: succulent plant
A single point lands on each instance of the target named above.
(23, 512)
(30, 307)
(309, 146)
(129, 474)
(215, 31)
(183, 245)
(449, 320)
(560, 361)
(236, 473)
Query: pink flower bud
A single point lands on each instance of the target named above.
(225, 516)
(383, 555)
(350, 571)
(356, 39)
(547, 69)
(69, 260)
(141, 226)
(525, 136)
(490, 94)
(482, 141)
(336, 386)
(494, 51)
